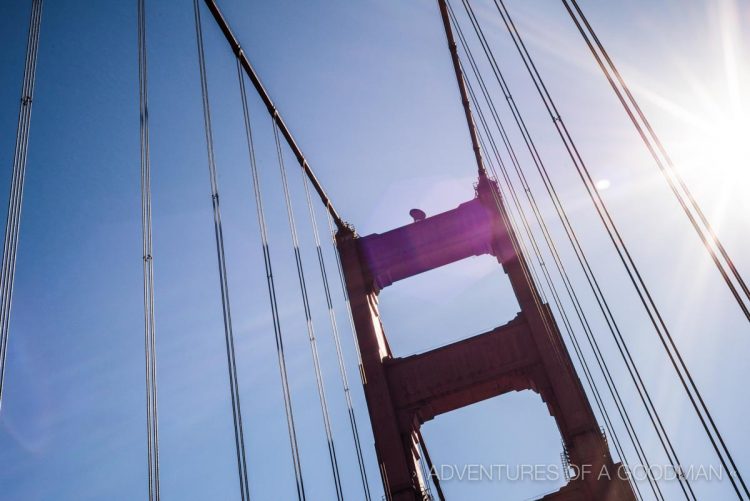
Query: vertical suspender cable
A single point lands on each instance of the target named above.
(665, 337)
(280, 127)
(13, 221)
(337, 341)
(583, 260)
(308, 318)
(260, 212)
(666, 166)
(219, 236)
(427, 491)
(149, 321)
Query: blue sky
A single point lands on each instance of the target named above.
(368, 90)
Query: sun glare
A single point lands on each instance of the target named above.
(712, 145)
(730, 149)
(720, 155)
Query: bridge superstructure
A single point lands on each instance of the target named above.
(524, 353)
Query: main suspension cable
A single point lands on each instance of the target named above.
(149, 320)
(337, 341)
(654, 314)
(15, 199)
(666, 166)
(308, 318)
(273, 111)
(260, 213)
(221, 257)
(484, 183)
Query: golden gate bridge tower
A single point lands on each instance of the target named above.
(526, 353)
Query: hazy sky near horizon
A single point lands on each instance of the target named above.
(368, 90)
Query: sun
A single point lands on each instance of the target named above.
(718, 154)
(709, 139)
(729, 147)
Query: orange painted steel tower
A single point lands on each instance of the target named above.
(526, 353)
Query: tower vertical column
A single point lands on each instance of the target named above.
(395, 440)
(557, 382)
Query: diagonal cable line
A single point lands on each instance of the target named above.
(234, 44)
(665, 337)
(548, 279)
(15, 199)
(484, 183)
(553, 251)
(557, 301)
(583, 261)
(663, 160)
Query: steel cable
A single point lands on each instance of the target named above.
(550, 284)
(149, 320)
(221, 258)
(583, 261)
(308, 318)
(566, 322)
(337, 341)
(15, 199)
(666, 165)
(558, 263)
(673, 353)
(484, 183)
(263, 94)
(260, 213)
(430, 468)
